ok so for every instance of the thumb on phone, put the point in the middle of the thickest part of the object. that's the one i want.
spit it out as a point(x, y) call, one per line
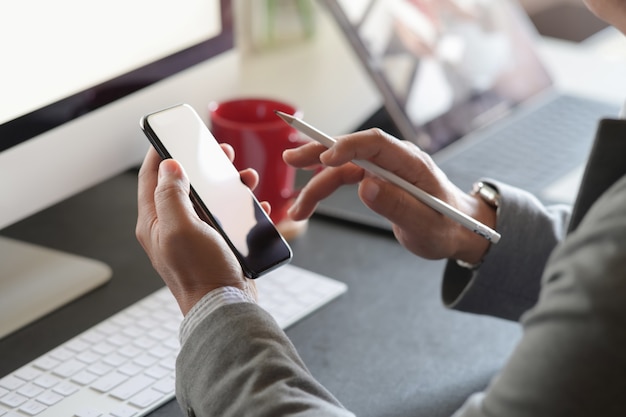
point(171, 196)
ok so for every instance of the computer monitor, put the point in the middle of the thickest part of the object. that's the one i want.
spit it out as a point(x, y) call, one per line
point(76, 78)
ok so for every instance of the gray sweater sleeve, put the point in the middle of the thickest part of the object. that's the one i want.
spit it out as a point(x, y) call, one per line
point(507, 283)
point(238, 362)
point(571, 360)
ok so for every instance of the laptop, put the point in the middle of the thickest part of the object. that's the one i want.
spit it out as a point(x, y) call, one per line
point(462, 79)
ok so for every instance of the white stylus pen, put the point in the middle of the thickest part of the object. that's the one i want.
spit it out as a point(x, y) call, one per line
point(432, 202)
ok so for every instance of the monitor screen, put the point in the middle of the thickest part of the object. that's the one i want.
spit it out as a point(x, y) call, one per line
point(73, 57)
point(76, 78)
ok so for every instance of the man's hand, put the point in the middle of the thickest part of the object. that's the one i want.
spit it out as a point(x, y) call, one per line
point(190, 256)
point(417, 227)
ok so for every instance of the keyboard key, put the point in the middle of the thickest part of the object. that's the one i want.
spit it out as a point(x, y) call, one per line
point(130, 351)
point(11, 382)
point(32, 408)
point(145, 360)
point(132, 387)
point(104, 348)
point(88, 357)
point(49, 398)
point(66, 388)
point(93, 336)
point(108, 382)
point(122, 320)
point(30, 390)
point(100, 369)
point(62, 354)
point(172, 326)
point(118, 340)
point(114, 360)
point(84, 378)
point(160, 334)
point(28, 373)
point(77, 345)
point(133, 331)
point(13, 399)
point(124, 411)
point(69, 368)
point(168, 363)
point(108, 328)
point(145, 398)
point(158, 371)
point(172, 343)
point(47, 381)
point(160, 352)
point(46, 363)
point(130, 369)
point(137, 311)
point(165, 385)
point(145, 343)
point(148, 323)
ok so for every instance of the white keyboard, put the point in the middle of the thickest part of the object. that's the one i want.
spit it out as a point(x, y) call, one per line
point(124, 366)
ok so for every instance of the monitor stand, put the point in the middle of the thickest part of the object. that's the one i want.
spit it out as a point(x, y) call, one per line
point(36, 280)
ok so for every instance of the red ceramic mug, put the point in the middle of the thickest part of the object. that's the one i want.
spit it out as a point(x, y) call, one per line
point(259, 138)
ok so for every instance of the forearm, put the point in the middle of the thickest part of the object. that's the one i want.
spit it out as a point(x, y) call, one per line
point(237, 362)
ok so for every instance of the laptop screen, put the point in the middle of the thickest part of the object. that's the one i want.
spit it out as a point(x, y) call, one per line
point(444, 67)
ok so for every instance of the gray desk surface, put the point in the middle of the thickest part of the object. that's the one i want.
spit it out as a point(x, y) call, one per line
point(385, 348)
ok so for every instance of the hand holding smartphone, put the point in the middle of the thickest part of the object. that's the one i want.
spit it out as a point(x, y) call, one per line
point(221, 199)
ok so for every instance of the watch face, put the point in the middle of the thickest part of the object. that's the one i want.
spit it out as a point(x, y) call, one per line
point(488, 193)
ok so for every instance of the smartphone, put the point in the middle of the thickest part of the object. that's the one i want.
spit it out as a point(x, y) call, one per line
point(219, 195)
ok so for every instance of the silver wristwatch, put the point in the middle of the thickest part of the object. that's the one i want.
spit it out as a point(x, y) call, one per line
point(487, 192)
point(491, 196)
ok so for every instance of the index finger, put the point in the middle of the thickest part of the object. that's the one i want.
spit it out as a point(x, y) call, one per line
point(402, 158)
point(304, 156)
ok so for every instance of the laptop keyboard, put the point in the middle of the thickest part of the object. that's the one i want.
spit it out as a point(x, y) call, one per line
point(531, 150)
point(125, 365)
